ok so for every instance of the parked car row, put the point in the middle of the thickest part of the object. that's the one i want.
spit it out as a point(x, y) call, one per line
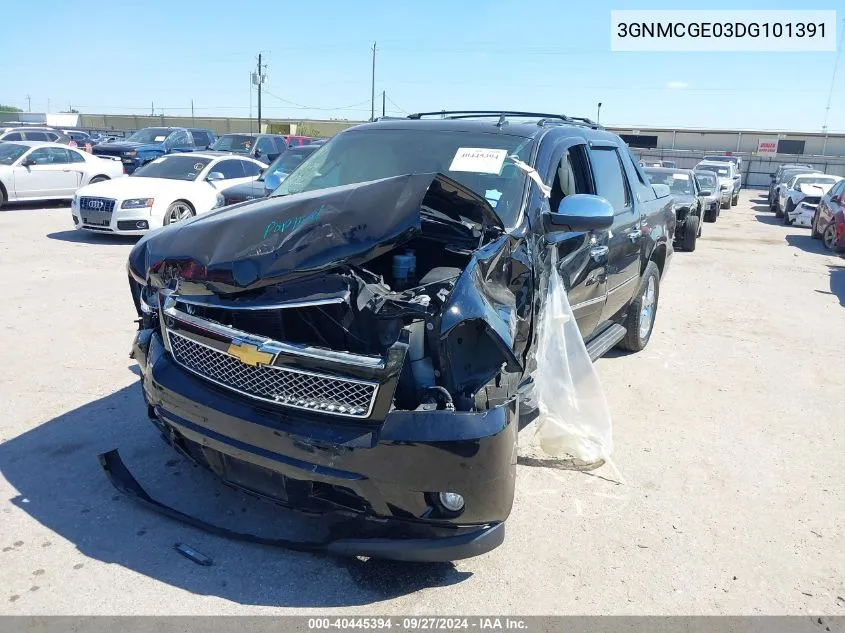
point(696, 200)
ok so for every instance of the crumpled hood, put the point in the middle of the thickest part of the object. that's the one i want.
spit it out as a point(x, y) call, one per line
point(277, 239)
point(815, 190)
point(683, 200)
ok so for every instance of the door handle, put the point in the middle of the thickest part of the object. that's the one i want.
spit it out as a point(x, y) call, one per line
point(597, 251)
point(635, 234)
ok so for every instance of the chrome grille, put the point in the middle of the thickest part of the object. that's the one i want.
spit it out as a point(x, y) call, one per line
point(280, 385)
point(99, 205)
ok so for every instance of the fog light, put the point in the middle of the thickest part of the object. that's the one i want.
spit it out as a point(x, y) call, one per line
point(452, 501)
point(142, 224)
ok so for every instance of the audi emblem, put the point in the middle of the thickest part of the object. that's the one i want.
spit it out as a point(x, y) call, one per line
point(94, 204)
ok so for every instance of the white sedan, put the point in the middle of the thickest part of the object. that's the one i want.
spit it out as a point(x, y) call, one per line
point(33, 170)
point(164, 191)
point(800, 197)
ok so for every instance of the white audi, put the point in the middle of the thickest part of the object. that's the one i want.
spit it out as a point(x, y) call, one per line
point(164, 191)
point(35, 170)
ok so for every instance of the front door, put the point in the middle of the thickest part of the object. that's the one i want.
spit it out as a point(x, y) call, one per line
point(623, 267)
point(47, 174)
point(581, 256)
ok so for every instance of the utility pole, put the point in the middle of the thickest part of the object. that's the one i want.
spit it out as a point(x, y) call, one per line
point(192, 112)
point(258, 79)
point(598, 113)
point(28, 103)
point(833, 77)
point(373, 88)
point(152, 108)
point(48, 104)
point(383, 98)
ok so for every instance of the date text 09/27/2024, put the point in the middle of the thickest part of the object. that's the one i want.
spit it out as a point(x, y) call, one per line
point(431, 623)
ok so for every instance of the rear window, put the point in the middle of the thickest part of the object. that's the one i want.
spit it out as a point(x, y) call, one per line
point(173, 167)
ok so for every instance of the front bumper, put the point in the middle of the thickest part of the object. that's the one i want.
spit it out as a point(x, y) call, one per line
point(803, 214)
point(121, 221)
point(386, 474)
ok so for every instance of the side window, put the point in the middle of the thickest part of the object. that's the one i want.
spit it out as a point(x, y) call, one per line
point(200, 138)
point(180, 140)
point(281, 146)
point(13, 136)
point(571, 175)
point(838, 190)
point(230, 168)
point(75, 157)
point(250, 169)
point(37, 136)
point(264, 146)
point(49, 156)
point(638, 177)
point(610, 180)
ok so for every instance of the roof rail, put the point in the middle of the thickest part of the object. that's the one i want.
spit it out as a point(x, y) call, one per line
point(503, 114)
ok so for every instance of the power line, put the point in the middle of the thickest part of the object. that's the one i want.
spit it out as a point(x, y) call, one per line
point(395, 105)
point(833, 77)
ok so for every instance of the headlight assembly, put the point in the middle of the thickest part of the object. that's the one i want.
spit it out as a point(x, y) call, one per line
point(221, 201)
point(137, 203)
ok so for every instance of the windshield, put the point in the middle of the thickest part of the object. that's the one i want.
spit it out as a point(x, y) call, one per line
point(721, 171)
point(789, 174)
point(9, 152)
point(476, 160)
point(721, 159)
point(706, 180)
point(173, 167)
point(678, 183)
point(150, 135)
point(240, 143)
point(290, 160)
point(815, 181)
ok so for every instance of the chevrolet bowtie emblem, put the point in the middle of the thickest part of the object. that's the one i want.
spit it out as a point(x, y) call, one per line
point(249, 354)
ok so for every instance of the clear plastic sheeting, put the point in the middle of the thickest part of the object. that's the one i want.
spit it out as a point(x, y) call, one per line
point(574, 418)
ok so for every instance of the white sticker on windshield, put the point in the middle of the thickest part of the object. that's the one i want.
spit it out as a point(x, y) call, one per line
point(479, 160)
point(198, 166)
point(159, 139)
point(680, 176)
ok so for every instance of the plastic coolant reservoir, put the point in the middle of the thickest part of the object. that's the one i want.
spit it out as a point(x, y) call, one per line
point(404, 266)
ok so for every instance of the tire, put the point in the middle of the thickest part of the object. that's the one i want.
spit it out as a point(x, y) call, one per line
point(778, 211)
point(790, 207)
point(829, 237)
point(691, 232)
point(814, 231)
point(735, 199)
point(2, 197)
point(642, 310)
point(97, 179)
point(711, 214)
point(178, 211)
point(725, 205)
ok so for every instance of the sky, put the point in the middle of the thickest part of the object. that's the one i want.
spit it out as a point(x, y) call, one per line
point(130, 56)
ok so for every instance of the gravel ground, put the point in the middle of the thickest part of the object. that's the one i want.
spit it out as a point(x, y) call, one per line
point(726, 495)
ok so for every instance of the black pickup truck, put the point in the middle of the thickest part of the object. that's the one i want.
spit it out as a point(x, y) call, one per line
point(357, 343)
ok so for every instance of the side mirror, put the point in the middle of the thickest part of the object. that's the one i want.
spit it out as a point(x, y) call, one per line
point(213, 177)
point(579, 212)
point(27, 162)
point(705, 192)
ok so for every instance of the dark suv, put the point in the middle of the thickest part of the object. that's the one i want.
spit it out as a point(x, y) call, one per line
point(359, 343)
point(263, 147)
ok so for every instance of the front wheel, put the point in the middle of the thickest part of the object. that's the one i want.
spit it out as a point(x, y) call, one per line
point(735, 199)
point(790, 207)
point(178, 211)
point(691, 232)
point(642, 310)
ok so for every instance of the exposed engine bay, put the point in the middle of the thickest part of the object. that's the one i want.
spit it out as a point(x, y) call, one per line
point(440, 284)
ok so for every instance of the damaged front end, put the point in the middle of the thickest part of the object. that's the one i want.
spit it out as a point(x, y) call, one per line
point(354, 350)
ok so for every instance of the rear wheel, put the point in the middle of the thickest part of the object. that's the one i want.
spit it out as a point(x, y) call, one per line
point(178, 211)
point(642, 310)
point(735, 199)
point(829, 237)
point(2, 197)
point(691, 232)
point(790, 207)
point(778, 211)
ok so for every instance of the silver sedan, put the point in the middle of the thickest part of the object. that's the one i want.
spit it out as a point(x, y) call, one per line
point(31, 170)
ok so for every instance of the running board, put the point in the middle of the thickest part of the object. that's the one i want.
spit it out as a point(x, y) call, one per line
point(602, 343)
